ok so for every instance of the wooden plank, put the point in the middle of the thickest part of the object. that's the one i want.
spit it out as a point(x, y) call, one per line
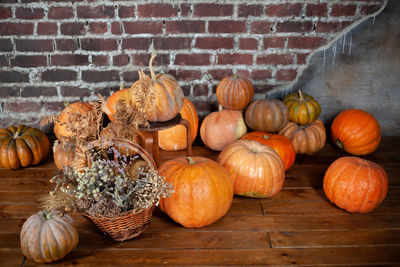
point(370, 237)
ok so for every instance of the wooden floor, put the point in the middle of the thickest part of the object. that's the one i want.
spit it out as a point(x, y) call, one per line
point(297, 226)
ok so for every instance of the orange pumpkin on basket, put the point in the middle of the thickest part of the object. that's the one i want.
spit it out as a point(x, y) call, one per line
point(203, 191)
point(122, 95)
point(234, 92)
point(255, 169)
point(279, 143)
point(22, 146)
point(63, 154)
point(355, 184)
point(267, 115)
point(175, 138)
point(221, 128)
point(356, 131)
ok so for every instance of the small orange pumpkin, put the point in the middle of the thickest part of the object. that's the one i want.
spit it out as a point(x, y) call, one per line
point(281, 144)
point(356, 131)
point(303, 108)
point(355, 184)
point(63, 154)
point(203, 191)
point(111, 103)
point(256, 170)
point(234, 92)
point(267, 115)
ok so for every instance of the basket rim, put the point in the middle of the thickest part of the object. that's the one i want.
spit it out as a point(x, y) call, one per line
point(124, 214)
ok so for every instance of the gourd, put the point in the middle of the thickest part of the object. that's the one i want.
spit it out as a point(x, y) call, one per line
point(234, 92)
point(303, 108)
point(267, 115)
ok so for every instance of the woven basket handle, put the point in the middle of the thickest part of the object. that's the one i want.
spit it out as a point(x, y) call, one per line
point(139, 150)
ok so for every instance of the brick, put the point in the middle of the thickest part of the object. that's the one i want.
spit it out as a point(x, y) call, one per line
point(126, 11)
point(74, 91)
point(275, 59)
point(273, 42)
point(58, 75)
point(157, 10)
point(5, 12)
point(186, 90)
point(60, 12)
point(98, 27)
point(54, 106)
point(32, 91)
point(185, 9)
point(13, 76)
point(69, 60)
point(192, 59)
point(214, 43)
point(5, 45)
point(316, 10)
point(95, 12)
point(47, 28)
point(6, 92)
point(130, 77)
point(283, 10)
point(259, 75)
point(140, 43)
point(143, 59)
point(260, 27)
point(204, 106)
point(226, 26)
point(366, 10)
point(29, 13)
point(235, 59)
point(185, 26)
point(186, 75)
point(306, 42)
point(22, 106)
point(66, 44)
point(212, 10)
point(338, 10)
point(10, 28)
point(4, 61)
point(248, 44)
point(99, 44)
point(173, 43)
point(331, 26)
point(104, 91)
point(301, 58)
point(294, 26)
point(250, 10)
point(38, 45)
point(100, 60)
point(29, 61)
point(286, 74)
point(200, 90)
point(135, 27)
point(92, 76)
point(120, 60)
point(116, 28)
point(263, 88)
point(219, 74)
point(73, 28)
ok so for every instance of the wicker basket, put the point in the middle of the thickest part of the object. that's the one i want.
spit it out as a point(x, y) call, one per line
point(132, 223)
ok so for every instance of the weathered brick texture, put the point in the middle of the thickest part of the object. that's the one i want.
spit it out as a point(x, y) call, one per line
point(53, 52)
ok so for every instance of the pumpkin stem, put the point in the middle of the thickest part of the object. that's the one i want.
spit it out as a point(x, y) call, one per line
point(153, 76)
point(265, 136)
point(301, 95)
point(220, 108)
point(339, 144)
point(191, 161)
point(235, 76)
point(46, 215)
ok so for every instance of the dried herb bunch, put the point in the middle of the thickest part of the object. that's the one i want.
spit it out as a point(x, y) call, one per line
point(114, 183)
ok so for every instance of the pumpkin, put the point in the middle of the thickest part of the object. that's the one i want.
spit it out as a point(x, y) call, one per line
point(47, 237)
point(279, 143)
point(355, 184)
point(356, 131)
point(123, 95)
point(221, 128)
point(203, 191)
point(234, 92)
point(175, 138)
point(267, 115)
point(22, 146)
point(60, 130)
point(63, 154)
point(256, 170)
point(306, 139)
point(303, 108)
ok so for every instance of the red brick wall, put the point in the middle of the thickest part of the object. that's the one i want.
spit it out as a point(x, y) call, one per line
point(57, 51)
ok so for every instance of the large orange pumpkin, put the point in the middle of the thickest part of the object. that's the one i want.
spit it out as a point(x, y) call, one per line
point(255, 169)
point(60, 128)
point(221, 128)
point(355, 184)
point(234, 92)
point(267, 115)
point(22, 146)
point(356, 131)
point(175, 138)
point(203, 191)
point(279, 143)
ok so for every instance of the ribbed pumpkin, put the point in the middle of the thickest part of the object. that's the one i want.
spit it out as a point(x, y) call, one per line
point(221, 128)
point(356, 131)
point(175, 138)
point(234, 92)
point(255, 169)
point(279, 143)
point(306, 139)
point(303, 108)
point(268, 115)
point(22, 146)
point(47, 237)
point(355, 184)
point(60, 128)
point(63, 154)
point(122, 95)
point(203, 191)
